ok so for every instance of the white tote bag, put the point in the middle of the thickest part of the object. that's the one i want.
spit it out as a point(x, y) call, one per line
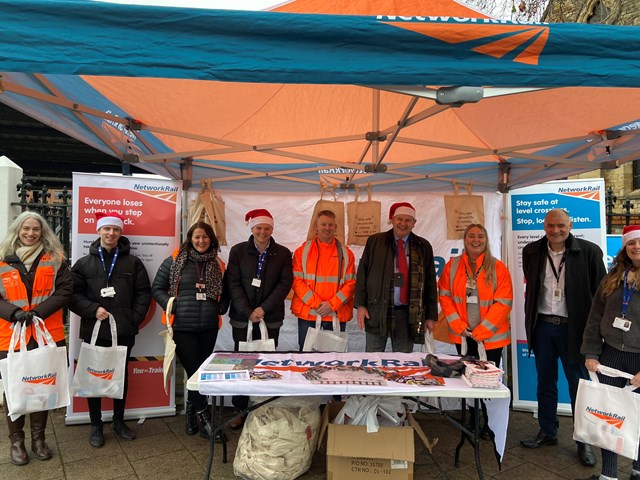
point(100, 370)
point(608, 416)
point(265, 344)
point(318, 340)
point(169, 346)
point(35, 380)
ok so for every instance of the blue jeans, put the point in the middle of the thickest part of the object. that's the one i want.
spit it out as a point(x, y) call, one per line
point(304, 325)
point(552, 343)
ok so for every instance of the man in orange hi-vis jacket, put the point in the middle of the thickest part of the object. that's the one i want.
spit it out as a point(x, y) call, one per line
point(324, 279)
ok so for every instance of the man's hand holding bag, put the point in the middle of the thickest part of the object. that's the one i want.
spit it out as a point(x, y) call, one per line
point(100, 370)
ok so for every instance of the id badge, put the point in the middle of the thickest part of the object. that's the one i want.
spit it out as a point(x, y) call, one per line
point(256, 282)
point(472, 299)
point(201, 296)
point(622, 323)
point(108, 292)
point(557, 294)
point(398, 279)
point(200, 286)
point(471, 284)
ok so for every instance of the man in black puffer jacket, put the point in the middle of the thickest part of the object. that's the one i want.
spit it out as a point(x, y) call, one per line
point(258, 279)
point(110, 281)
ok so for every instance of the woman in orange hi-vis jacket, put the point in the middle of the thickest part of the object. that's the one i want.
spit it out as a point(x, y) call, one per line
point(476, 295)
point(34, 281)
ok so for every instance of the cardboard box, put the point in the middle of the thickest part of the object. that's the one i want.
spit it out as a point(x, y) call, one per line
point(354, 454)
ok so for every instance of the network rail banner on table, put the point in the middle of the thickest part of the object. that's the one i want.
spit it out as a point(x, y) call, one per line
point(151, 208)
point(527, 207)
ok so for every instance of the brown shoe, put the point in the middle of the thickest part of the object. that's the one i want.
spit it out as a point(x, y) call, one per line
point(236, 422)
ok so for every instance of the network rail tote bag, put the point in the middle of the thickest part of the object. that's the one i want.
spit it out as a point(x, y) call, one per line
point(265, 344)
point(169, 345)
point(608, 416)
point(34, 380)
point(318, 340)
point(100, 370)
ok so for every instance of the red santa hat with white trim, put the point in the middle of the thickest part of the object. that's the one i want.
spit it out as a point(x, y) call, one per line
point(401, 208)
point(109, 218)
point(630, 232)
point(258, 216)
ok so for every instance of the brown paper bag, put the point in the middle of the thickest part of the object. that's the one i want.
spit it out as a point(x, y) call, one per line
point(462, 211)
point(335, 207)
point(363, 220)
point(209, 207)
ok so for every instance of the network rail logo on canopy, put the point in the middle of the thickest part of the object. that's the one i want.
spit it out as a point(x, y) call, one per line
point(487, 36)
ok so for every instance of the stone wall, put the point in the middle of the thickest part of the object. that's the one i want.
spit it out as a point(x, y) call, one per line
point(610, 12)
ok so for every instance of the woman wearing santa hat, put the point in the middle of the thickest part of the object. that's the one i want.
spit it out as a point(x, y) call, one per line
point(34, 281)
point(612, 334)
point(193, 275)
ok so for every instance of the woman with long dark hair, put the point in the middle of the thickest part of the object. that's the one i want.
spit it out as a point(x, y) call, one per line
point(193, 275)
point(612, 334)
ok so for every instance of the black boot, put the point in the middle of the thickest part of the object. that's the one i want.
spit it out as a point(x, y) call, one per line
point(38, 422)
point(18, 454)
point(191, 422)
point(204, 423)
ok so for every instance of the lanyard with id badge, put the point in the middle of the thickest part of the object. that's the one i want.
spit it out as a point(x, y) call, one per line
point(557, 292)
point(108, 292)
point(623, 323)
point(472, 285)
point(257, 280)
point(201, 294)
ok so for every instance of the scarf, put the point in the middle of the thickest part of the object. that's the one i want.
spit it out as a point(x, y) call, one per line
point(28, 255)
point(212, 272)
point(416, 290)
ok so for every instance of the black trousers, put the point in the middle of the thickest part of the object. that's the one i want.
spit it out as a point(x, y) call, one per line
point(192, 349)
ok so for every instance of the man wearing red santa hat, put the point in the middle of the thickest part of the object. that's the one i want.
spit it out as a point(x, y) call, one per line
point(396, 293)
point(258, 279)
point(110, 281)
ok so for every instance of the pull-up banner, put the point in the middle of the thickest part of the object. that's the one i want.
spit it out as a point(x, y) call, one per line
point(150, 206)
point(527, 207)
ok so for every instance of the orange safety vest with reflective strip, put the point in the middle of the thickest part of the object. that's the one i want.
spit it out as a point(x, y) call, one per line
point(333, 280)
point(13, 290)
point(494, 302)
point(223, 267)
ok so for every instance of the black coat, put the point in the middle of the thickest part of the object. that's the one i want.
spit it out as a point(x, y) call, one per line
point(131, 282)
point(584, 269)
point(375, 276)
point(191, 315)
point(277, 278)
